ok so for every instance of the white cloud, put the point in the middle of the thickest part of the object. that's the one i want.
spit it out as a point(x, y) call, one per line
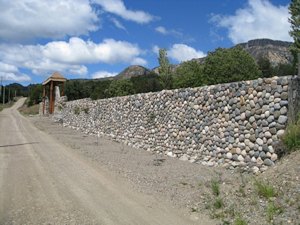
point(79, 51)
point(30, 19)
point(182, 52)
point(162, 30)
point(118, 24)
point(15, 77)
point(11, 73)
point(259, 19)
point(155, 49)
point(68, 57)
point(103, 74)
point(139, 61)
point(118, 7)
point(4, 67)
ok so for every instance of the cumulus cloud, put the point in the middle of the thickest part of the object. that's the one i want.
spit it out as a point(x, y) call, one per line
point(182, 52)
point(79, 51)
point(139, 61)
point(118, 7)
point(103, 74)
point(11, 73)
point(68, 57)
point(30, 19)
point(259, 19)
point(15, 77)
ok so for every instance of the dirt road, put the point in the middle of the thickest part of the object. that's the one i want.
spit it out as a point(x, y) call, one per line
point(44, 182)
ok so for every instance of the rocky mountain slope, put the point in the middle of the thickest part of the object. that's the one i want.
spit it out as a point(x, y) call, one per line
point(133, 71)
point(277, 52)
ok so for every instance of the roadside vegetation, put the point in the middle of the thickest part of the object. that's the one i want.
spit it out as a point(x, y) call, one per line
point(291, 138)
point(6, 105)
point(27, 109)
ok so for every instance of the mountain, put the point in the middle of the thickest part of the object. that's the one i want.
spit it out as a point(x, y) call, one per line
point(133, 71)
point(277, 52)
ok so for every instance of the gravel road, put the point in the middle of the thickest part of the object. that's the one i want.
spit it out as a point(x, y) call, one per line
point(44, 181)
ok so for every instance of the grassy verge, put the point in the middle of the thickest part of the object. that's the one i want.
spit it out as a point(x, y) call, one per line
point(31, 110)
point(7, 105)
point(291, 138)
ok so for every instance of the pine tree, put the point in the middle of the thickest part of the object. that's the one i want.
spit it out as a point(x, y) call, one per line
point(294, 10)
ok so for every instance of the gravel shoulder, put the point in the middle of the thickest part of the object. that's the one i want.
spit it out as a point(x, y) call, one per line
point(188, 186)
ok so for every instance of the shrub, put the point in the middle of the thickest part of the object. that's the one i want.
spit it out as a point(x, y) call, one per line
point(77, 110)
point(291, 138)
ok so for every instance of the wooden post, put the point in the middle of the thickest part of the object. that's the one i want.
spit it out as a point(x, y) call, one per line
point(44, 99)
point(62, 89)
point(51, 98)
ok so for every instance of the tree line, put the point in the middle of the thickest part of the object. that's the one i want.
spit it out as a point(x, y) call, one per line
point(221, 66)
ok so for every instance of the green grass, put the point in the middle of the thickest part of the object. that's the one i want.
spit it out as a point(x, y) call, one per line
point(218, 204)
point(215, 187)
point(291, 138)
point(265, 190)
point(273, 210)
point(239, 221)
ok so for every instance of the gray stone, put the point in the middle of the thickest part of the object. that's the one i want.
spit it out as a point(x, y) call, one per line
point(282, 119)
point(268, 162)
point(283, 110)
point(259, 141)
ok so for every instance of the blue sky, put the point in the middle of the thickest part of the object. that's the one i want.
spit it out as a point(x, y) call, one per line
point(99, 38)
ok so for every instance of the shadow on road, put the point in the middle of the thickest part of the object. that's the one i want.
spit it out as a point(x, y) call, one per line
point(14, 145)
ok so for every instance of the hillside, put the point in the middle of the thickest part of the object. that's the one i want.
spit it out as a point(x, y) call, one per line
point(133, 71)
point(277, 52)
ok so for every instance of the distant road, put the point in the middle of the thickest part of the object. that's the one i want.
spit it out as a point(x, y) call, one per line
point(44, 182)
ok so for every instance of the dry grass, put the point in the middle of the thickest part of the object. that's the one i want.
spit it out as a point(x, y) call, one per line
point(7, 105)
point(32, 110)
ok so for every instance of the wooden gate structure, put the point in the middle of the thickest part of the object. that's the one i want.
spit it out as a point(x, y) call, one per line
point(56, 79)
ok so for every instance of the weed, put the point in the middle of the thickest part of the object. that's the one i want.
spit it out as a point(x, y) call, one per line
point(183, 183)
point(230, 211)
point(194, 209)
point(273, 210)
point(86, 110)
point(215, 187)
point(77, 110)
point(151, 117)
point(291, 137)
point(239, 221)
point(253, 201)
point(217, 215)
point(59, 107)
point(218, 204)
point(265, 190)
point(242, 191)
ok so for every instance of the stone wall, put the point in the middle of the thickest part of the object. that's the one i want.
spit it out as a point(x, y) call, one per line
point(234, 124)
